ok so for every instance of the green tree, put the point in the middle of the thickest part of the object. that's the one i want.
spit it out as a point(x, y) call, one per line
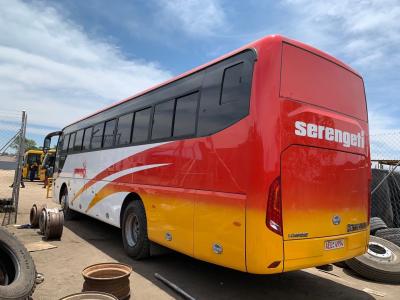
point(29, 144)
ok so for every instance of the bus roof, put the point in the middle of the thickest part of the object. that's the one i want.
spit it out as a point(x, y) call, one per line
point(253, 45)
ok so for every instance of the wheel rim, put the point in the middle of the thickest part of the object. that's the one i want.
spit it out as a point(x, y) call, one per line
point(64, 202)
point(379, 251)
point(132, 229)
point(9, 266)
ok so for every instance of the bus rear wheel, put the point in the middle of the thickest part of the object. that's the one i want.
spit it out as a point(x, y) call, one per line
point(134, 231)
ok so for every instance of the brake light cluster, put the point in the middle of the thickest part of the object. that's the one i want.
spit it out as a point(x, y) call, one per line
point(274, 207)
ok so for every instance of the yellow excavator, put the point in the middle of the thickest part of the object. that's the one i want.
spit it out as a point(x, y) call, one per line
point(31, 157)
point(48, 159)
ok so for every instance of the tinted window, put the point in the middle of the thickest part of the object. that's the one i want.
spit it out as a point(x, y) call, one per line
point(78, 140)
point(185, 115)
point(71, 141)
point(109, 133)
point(231, 84)
point(141, 125)
point(162, 120)
point(225, 94)
point(86, 138)
point(123, 136)
point(65, 142)
point(97, 136)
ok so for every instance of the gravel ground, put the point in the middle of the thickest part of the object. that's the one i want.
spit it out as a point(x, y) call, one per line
point(86, 241)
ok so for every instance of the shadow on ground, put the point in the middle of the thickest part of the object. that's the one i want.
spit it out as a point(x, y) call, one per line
point(207, 281)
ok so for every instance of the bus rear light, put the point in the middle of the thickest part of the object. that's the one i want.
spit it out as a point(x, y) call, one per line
point(274, 207)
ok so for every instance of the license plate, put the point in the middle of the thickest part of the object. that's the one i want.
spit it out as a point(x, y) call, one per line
point(334, 244)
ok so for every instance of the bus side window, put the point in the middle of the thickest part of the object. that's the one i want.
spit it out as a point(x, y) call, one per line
point(60, 143)
point(186, 115)
point(162, 121)
point(97, 136)
point(71, 142)
point(109, 133)
point(124, 130)
point(225, 93)
point(141, 125)
point(65, 143)
point(86, 138)
point(78, 140)
point(232, 84)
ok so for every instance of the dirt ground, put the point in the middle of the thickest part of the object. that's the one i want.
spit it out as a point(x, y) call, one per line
point(86, 241)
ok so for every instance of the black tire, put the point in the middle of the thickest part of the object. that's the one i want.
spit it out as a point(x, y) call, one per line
point(340, 264)
point(69, 214)
point(17, 269)
point(381, 205)
point(381, 263)
point(376, 224)
point(383, 233)
point(134, 231)
point(394, 185)
point(394, 238)
point(390, 234)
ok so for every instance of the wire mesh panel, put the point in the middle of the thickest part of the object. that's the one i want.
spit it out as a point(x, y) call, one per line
point(12, 137)
point(385, 156)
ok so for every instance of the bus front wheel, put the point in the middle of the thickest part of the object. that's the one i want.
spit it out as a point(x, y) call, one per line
point(69, 214)
point(134, 231)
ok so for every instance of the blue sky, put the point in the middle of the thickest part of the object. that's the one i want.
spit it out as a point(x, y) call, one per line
point(61, 60)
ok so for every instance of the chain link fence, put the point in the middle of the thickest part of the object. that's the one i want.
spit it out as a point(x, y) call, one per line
point(12, 139)
point(385, 187)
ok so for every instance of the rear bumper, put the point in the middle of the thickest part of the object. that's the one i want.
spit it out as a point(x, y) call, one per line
point(300, 254)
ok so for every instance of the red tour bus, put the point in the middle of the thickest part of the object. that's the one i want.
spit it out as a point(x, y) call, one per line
point(258, 161)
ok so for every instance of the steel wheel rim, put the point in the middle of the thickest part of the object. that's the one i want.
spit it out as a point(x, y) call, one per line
point(132, 229)
point(379, 251)
point(64, 201)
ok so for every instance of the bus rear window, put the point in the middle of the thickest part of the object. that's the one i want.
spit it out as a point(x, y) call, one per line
point(310, 78)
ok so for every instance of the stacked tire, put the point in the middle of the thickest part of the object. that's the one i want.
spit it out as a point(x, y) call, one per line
point(394, 187)
point(17, 269)
point(380, 263)
point(385, 205)
point(389, 234)
point(381, 197)
point(382, 260)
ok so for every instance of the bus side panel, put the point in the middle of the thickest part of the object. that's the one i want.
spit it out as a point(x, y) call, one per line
point(169, 214)
point(219, 229)
point(264, 248)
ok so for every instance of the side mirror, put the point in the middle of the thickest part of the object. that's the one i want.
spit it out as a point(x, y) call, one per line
point(47, 140)
point(46, 144)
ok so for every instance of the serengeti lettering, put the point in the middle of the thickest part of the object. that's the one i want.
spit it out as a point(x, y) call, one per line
point(342, 137)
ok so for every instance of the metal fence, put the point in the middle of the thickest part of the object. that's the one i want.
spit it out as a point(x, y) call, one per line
point(385, 187)
point(12, 148)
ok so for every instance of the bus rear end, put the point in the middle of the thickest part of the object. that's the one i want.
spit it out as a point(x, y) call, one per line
point(324, 161)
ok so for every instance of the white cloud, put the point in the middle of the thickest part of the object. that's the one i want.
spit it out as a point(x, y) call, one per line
point(366, 35)
point(385, 145)
point(194, 17)
point(367, 32)
point(53, 70)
